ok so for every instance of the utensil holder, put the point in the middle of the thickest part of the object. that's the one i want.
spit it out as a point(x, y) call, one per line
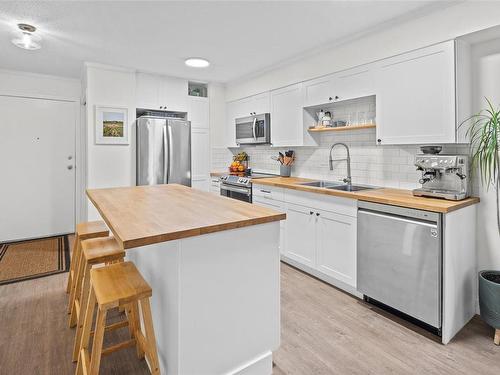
point(285, 170)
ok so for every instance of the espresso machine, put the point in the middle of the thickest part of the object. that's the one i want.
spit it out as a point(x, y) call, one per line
point(443, 176)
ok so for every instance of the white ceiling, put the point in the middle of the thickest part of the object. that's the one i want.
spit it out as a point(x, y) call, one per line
point(239, 37)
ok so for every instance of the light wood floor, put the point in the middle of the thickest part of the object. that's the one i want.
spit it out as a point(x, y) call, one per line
point(324, 331)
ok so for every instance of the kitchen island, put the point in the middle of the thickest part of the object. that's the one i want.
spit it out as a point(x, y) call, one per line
point(214, 266)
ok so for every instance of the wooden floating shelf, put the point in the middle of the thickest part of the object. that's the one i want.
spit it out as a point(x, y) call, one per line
point(342, 128)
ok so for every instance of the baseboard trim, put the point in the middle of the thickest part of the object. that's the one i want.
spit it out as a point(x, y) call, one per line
point(261, 365)
point(319, 275)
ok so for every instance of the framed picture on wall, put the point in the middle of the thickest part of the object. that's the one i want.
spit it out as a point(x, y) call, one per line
point(111, 125)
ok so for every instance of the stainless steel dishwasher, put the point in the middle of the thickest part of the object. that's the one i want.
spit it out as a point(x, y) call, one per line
point(399, 260)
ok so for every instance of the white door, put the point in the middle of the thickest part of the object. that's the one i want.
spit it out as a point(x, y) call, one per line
point(286, 116)
point(300, 236)
point(37, 158)
point(416, 97)
point(336, 246)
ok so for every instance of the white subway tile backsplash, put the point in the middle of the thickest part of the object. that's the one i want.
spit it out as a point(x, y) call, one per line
point(389, 166)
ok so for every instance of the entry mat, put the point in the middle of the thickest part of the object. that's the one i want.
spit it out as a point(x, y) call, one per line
point(31, 259)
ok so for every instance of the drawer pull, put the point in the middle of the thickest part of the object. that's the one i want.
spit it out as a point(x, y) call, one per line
point(265, 191)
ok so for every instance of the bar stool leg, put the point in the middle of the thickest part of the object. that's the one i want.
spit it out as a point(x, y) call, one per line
point(83, 346)
point(84, 301)
point(138, 332)
point(72, 268)
point(95, 357)
point(76, 286)
point(151, 353)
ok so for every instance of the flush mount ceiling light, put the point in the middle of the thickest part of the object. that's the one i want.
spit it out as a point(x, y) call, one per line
point(26, 38)
point(197, 62)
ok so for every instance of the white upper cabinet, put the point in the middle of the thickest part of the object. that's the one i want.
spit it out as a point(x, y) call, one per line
point(231, 115)
point(345, 85)
point(253, 105)
point(173, 94)
point(198, 111)
point(318, 91)
point(286, 116)
point(161, 93)
point(353, 83)
point(417, 97)
point(147, 91)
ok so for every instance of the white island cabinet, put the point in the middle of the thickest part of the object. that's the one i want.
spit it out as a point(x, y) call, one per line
point(214, 266)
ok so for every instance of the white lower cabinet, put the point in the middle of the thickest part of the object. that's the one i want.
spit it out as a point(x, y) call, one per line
point(215, 185)
point(319, 233)
point(278, 206)
point(336, 246)
point(300, 234)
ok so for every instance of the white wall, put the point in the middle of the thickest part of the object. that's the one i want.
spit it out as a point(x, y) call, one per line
point(19, 83)
point(109, 165)
point(442, 25)
point(486, 78)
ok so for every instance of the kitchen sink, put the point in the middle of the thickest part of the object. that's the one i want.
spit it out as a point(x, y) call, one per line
point(350, 187)
point(321, 184)
point(336, 186)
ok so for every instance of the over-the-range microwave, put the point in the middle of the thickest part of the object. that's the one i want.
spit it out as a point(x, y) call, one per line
point(253, 129)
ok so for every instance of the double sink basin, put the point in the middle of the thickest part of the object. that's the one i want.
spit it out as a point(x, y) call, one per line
point(336, 186)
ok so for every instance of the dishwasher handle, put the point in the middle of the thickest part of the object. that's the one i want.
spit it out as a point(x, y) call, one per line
point(426, 223)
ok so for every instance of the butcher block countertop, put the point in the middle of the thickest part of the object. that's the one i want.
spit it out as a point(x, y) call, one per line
point(395, 197)
point(144, 215)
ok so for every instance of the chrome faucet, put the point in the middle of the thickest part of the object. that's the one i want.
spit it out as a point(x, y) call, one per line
point(348, 179)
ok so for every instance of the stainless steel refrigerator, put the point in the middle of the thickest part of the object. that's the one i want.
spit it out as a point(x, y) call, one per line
point(163, 151)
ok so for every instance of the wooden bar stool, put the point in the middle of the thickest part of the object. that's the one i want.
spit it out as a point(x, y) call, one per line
point(113, 286)
point(84, 231)
point(96, 251)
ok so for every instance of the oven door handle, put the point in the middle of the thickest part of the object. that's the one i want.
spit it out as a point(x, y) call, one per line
point(236, 190)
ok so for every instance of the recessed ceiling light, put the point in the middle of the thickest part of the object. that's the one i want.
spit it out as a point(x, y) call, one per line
point(197, 62)
point(26, 39)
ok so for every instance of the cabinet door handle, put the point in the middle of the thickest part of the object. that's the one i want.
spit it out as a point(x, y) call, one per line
point(330, 99)
point(311, 212)
point(336, 97)
point(265, 191)
point(379, 140)
point(317, 213)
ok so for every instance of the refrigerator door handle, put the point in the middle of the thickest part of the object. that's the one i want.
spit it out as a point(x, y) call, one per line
point(170, 152)
point(166, 156)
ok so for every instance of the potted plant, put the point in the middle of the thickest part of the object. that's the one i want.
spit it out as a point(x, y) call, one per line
point(484, 133)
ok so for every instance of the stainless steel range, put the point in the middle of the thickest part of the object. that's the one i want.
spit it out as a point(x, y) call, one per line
point(240, 187)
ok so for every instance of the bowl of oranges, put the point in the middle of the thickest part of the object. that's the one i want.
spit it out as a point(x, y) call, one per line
point(239, 164)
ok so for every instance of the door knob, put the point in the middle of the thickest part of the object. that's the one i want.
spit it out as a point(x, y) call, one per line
point(70, 167)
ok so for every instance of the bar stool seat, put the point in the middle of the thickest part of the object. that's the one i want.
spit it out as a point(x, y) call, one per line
point(102, 250)
point(96, 251)
point(84, 231)
point(118, 286)
point(112, 286)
